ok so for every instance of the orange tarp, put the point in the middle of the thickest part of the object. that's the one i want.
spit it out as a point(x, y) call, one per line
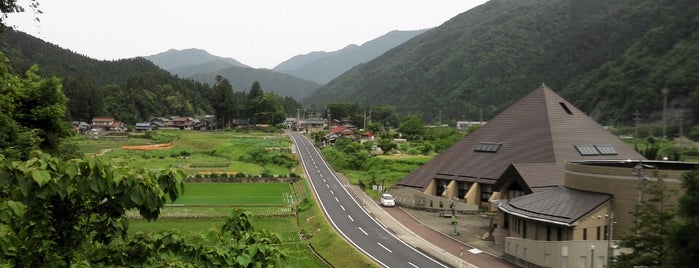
point(148, 147)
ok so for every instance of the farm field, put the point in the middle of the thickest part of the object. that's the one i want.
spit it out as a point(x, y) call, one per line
point(251, 153)
point(282, 208)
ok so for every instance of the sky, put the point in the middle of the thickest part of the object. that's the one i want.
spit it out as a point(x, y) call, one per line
point(258, 33)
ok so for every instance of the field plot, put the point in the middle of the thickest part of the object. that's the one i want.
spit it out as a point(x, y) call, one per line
point(237, 193)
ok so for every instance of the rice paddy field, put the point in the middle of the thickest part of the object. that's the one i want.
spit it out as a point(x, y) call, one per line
point(204, 206)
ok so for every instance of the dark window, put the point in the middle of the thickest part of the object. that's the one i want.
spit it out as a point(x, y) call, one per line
point(606, 232)
point(548, 233)
point(524, 229)
point(598, 233)
point(487, 147)
point(486, 192)
point(559, 233)
point(442, 186)
point(565, 108)
point(584, 233)
point(463, 188)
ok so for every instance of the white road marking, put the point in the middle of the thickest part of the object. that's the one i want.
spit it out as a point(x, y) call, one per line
point(360, 228)
point(337, 200)
point(350, 217)
point(413, 265)
point(343, 207)
point(385, 248)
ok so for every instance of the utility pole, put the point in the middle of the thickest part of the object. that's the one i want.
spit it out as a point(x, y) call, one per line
point(665, 91)
point(637, 121)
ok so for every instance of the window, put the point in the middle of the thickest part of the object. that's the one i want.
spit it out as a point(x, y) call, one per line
point(487, 147)
point(586, 150)
point(596, 149)
point(548, 233)
point(524, 229)
point(463, 188)
point(559, 233)
point(565, 108)
point(486, 192)
point(584, 234)
point(598, 232)
point(606, 149)
point(606, 232)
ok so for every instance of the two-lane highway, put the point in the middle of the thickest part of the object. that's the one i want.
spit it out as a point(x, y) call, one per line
point(350, 219)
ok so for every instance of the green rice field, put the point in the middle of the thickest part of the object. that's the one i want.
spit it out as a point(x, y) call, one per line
point(237, 193)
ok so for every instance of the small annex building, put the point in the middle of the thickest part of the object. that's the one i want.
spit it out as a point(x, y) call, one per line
point(520, 151)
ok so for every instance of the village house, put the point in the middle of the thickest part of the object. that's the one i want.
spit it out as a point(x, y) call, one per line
point(102, 124)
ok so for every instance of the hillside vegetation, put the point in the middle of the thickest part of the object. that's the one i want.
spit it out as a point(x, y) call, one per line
point(609, 58)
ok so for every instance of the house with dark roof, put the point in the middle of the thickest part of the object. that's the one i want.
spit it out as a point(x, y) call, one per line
point(579, 223)
point(520, 151)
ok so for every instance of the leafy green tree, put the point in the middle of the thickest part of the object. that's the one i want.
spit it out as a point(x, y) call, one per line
point(683, 239)
point(647, 237)
point(386, 145)
point(56, 213)
point(52, 209)
point(32, 112)
point(412, 127)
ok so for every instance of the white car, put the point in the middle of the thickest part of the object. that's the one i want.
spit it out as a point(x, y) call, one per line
point(387, 200)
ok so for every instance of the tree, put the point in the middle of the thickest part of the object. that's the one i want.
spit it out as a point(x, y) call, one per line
point(683, 239)
point(52, 209)
point(11, 6)
point(32, 110)
point(56, 213)
point(646, 238)
point(223, 102)
point(412, 127)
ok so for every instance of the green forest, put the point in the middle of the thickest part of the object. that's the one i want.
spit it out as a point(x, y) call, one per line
point(608, 58)
point(134, 90)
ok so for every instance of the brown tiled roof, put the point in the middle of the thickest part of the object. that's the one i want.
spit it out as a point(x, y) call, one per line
point(541, 128)
point(559, 205)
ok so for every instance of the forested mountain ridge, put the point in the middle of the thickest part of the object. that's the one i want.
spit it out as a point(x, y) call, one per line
point(203, 67)
point(174, 58)
point(279, 83)
point(609, 58)
point(321, 67)
point(130, 90)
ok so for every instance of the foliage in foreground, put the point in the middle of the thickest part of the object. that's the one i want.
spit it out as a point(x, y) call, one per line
point(60, 213)
point(665, 235)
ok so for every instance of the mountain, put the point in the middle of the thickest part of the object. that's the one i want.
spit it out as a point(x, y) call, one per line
point(174, 58)
point(609, 58)
point(203, 67)
point(322, 67)
point(129, 90)
point(242, 78)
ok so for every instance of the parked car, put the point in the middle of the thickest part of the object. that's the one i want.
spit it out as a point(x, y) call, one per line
point(387, 200)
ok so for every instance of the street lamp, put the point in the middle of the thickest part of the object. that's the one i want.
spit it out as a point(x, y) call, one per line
point(592, 256)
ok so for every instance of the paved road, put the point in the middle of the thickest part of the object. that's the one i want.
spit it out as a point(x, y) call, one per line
point(350, 219)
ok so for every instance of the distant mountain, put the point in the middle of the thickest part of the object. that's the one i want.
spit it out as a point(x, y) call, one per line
point(608, 58)
point(322, 67)
point(130, 90)
point(242, 78)
point(173, 58)
point(203, 67)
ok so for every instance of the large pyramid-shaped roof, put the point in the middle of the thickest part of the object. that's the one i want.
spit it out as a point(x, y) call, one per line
point(540, 128)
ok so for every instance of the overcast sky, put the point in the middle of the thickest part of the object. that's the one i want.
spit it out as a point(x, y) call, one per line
point(258, 33)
